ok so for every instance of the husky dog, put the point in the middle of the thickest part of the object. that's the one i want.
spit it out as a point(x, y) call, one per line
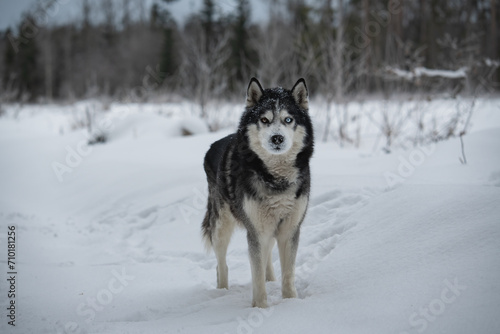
point(259, 178)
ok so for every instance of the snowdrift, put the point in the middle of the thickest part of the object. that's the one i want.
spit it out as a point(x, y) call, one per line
point(113, 245)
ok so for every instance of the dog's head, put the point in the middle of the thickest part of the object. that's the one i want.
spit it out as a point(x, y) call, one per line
point(276, 120)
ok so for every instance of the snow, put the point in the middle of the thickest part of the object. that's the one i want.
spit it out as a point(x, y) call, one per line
point(492, 63)
point(427, 72)
point(392, 243)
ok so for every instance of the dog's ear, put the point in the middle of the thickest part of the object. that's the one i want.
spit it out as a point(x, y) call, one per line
point(254, 92)
point(300, 94)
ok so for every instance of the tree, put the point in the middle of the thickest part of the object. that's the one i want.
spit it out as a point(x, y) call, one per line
point(206, 57)
point(494, 53)
point(331, 67)
point(168, 58)
point(242, 56)
point(207, 17)
point(48, 64)
point(9, 89)
point(26, 63)
point(109, 25)
point(126, 20)
point(8, 59)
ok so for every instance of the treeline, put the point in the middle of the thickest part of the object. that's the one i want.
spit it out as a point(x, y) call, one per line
point(341, 48)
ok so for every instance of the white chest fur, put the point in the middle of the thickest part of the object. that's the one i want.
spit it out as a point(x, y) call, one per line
point(267, 213)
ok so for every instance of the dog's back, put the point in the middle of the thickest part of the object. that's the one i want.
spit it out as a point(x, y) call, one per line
point(214, 156)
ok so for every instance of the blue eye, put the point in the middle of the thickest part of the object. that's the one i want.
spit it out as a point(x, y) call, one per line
point(288, 120)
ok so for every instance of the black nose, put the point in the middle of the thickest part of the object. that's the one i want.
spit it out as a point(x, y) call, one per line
point(277, 139)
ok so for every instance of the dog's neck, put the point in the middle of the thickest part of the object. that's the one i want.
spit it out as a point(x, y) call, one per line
point(282, 167)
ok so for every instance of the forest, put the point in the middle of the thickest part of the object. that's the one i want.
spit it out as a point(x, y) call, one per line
point(344, 49)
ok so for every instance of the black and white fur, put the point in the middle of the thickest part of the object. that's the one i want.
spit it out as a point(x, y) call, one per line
point(259, 178)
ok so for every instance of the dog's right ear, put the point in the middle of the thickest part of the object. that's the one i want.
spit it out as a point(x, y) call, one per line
point(300, 94)
point(254, 92)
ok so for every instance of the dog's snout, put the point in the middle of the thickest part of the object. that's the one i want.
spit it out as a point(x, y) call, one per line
point(277, 139)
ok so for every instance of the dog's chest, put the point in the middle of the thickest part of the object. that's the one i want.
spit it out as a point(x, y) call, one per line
point(267, 212)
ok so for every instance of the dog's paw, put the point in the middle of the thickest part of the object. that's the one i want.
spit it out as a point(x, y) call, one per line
point(259, 304)
point(270, 277)
point(222, 281)
point(290, 292)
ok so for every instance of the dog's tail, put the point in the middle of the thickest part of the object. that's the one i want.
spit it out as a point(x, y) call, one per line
point(210, 165)
point(206, 228)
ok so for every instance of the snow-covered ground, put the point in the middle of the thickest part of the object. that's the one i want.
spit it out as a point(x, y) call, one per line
point(107, 237)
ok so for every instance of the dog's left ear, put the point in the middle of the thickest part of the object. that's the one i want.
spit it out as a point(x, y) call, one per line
point(254, 92)
point(300, 94)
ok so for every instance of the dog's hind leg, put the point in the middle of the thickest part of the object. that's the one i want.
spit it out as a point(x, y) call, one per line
point(269, 266)
point(220, 238)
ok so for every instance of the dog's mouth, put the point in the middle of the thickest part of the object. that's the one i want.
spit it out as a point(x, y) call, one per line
point(276, 148)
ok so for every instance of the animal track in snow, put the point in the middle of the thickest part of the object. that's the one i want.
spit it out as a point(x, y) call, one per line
point(325, 223)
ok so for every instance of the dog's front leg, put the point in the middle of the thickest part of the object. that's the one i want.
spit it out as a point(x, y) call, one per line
point(287, 247)
point(269, 266)
point(258, 251)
